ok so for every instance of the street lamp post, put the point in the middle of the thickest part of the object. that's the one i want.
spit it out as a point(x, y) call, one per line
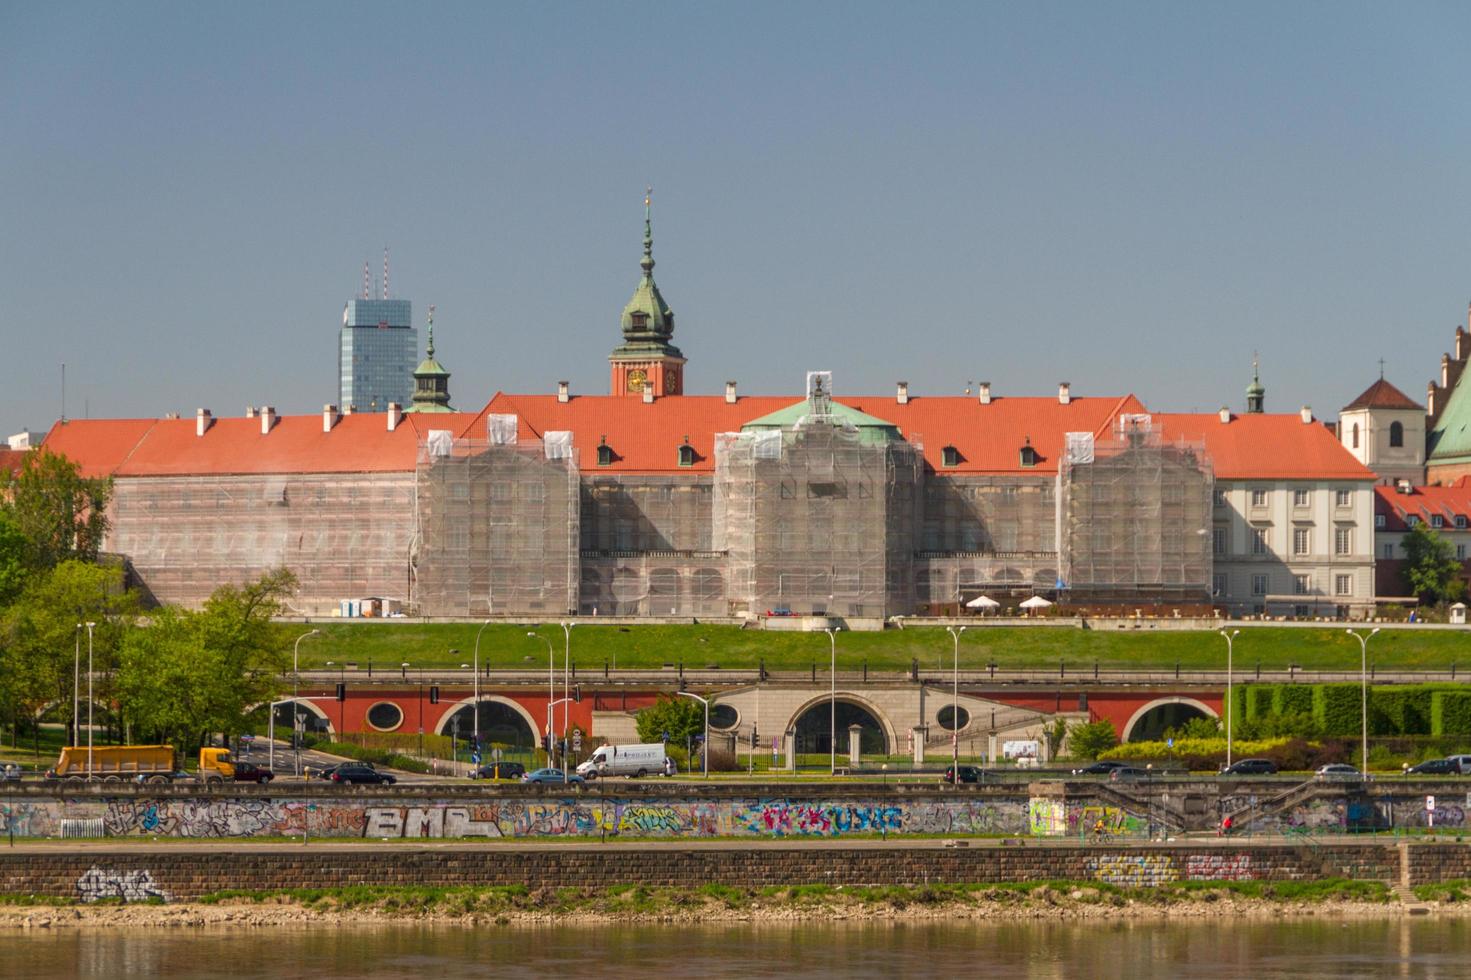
point(551, 688)
point(706, 752)
point(832, 762)
point(566, 675)
point(296, 672)
point(77, 689)
point(89, 699)
point(1230, 706)
point(477, 684)
point(955, 707)
point(1364, 688)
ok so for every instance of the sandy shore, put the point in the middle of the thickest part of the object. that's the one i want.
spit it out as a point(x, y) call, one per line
point(1077, 905)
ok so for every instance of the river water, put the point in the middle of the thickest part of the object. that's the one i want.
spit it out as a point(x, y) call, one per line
point(1297, 949)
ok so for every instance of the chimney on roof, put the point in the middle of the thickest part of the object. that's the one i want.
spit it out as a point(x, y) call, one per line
point(1064, 393)
point(329, 417)
point(902, 395)
point(250, 411)
point(1445, 370)
point(562, 392)
point(730, 392)
point(648, 394)
point(984, 392)
point(202, 421)
point(1307, 415)
point(348, 410)
point(1225, 415)
point(267, 419)
point(1463, 343)
point(1403, 486)
point(395, 415)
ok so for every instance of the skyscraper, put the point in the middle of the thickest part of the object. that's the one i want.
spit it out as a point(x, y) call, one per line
point(377, 350)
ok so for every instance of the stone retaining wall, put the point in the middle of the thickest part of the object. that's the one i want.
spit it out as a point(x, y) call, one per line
point(178, 875)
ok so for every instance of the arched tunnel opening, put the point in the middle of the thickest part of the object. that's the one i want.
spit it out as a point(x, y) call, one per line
point(814, 729)
point(1153, 724)
point(501, 726)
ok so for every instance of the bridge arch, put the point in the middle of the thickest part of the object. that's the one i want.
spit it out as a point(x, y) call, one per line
point(318, 719)
point(812, 723)
point(498, 714)
point(1150, 720)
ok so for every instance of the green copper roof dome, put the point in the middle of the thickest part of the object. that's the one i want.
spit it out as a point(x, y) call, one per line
point(648, 322)
point(870, 428)
point(431, 380)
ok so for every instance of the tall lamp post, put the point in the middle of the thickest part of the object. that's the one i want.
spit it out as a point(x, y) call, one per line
point(706, 752)
point(832, 762)
point(1230, 706)
point(296, 695)
point(1364, 686)
point(89, 699)
point(551, 688)
point(955, 705)
point(566, 675)
point(477, 684)
point(77, 690)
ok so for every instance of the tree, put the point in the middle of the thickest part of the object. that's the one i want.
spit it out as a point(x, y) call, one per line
point(191, 673)
point(675, 717)
point(40, 634)
point(1089, 741)
point(62, 514)
point(13, 552)
point(1431, 571)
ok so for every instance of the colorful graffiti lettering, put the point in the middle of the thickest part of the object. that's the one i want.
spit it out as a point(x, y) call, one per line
point(1134, 870)
point(1046, 818)
point(1219, 867)
point(96, 884)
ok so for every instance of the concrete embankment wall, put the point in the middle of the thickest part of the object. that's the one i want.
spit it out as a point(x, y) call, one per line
point(179, 874)
point(684, 810)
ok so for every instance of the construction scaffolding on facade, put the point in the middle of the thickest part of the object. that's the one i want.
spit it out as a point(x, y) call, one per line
point(344, 535)
point(820, 515)
point(1134, 515)
point(498, 524)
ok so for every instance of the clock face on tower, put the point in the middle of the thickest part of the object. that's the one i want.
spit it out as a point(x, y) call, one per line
point(671, 380)
point(636, 379)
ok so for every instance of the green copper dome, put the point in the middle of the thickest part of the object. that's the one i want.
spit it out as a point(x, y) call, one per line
point(431, 380)
point(648, 322)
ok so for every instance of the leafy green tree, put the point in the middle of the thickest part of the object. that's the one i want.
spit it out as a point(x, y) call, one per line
point(1089, 741)
point(679, 718)
point(191, 673)
point(1431, 571)
point(62, 514)
point(41, 637)
point(13, 551)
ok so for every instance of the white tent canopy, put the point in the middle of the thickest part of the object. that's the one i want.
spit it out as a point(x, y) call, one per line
point(1036, 602)
point(983, 602)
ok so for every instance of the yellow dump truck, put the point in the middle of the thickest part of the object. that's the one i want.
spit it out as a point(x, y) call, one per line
point(116, 763)
point(217, 766)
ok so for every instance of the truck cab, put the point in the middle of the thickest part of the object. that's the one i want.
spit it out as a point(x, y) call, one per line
point(216, 766)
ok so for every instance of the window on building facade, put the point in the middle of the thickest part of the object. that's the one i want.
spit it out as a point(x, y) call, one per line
point(1259, 541)
point(686, 455)
point(1343, 585)
point(1218, 584)
point(1378, 520)
point(1396, 435)
point(1218, 540)
point(1387, 552)
point(1302, 584)
point(1437, 521)
point(1355, 431)
point(1342, 497)
point(1461, 521)
point(1343, 540)
point(1460, 552)
point(1220, 496)
point(1301, 498)
point(1258, 498)
point(1412, 520)
point(1258, 585)
point(950, 456)
point(1302, 540)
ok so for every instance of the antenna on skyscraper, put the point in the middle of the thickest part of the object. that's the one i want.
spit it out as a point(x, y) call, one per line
point(367, 282)
point(385, 271)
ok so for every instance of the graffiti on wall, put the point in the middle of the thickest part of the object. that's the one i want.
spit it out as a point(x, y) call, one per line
point(1219, 867)
point(96, 884)
point(1116, 821)
point(1047, 818)
point(1134, 870)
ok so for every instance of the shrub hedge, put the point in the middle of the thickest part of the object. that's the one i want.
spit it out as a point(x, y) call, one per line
point(1450, 713)
point(1337, 708)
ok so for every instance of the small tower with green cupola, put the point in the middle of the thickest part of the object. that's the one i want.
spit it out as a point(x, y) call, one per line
point(647, 362)
point(431, 380)
point(1256, 395)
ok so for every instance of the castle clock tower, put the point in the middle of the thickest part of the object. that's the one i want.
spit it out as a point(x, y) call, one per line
point(647, 360)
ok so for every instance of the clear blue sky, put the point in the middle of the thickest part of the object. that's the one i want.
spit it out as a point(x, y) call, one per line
point(1131, 197)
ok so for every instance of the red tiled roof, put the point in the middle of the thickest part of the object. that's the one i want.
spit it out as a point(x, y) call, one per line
point(11, 460)
point(1382, 394)
point(1422, 502)
point(1265, 447)
point(645, 438)
point(97, 446)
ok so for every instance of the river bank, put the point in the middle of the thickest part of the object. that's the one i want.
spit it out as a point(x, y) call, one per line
point(711, 904)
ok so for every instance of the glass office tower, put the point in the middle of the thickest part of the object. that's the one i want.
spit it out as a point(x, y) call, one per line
point(378, 350)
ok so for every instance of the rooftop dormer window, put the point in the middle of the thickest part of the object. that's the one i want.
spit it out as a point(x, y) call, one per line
point(605, 453)
point(1028, 454)
point(639, 320)
point(686, 453)
point(950, 456)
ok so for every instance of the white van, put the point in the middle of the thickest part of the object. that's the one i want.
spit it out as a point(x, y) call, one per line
point(625, 760)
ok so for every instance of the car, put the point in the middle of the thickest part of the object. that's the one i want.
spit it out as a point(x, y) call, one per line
point(500, 770)
point(357, 773)
point(1338, 771)
point(1435, 767)
point(1250, 767)
point(1461, 762)
point(551, 776)
point(1101, 768)
point(322, 772)
point(249, 772)
point(965, 774)
point(1128, 772)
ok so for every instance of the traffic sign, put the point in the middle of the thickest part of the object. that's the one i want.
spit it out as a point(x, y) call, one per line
point(577, 740)
point(1430, 803)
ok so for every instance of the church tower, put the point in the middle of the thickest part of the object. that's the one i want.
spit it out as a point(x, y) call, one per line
point(647, 362)
point(431, 380)
point(1256, 395)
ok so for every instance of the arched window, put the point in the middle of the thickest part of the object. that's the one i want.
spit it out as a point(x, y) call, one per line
point(1396, 434)
point(605, 453)
point(686, 453)
point(1356, 435)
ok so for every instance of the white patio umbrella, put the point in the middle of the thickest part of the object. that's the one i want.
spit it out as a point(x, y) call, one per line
point(1036, 602)
point(984, 603)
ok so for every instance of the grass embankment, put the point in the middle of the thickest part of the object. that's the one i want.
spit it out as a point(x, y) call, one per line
point(388, 644)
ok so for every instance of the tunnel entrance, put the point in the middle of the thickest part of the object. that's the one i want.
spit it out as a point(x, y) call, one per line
point(1152, 724)
point(814, 727)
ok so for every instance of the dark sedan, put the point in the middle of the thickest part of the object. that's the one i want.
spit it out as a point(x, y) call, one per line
point(1101, 768)
point(500, 770)
point(965, 774)
point(355, 773)
point(1435, 767)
